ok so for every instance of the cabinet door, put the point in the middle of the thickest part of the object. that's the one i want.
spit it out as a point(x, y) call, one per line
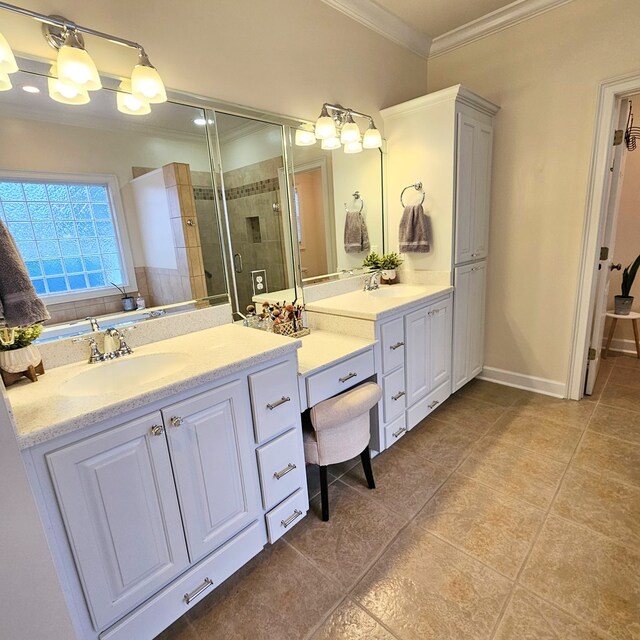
point(211, 443)
point(118, 500)
point(482, 150)
point(439, 343)
point(417, 344)
point(476, 309)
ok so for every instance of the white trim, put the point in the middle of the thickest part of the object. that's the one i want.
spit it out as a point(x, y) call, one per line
point(521, 381)
point(610, 92)
point(387, 24)
point(623, 345)
point(497, 20)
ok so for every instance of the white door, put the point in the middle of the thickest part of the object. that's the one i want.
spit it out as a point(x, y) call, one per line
point(416, 327)
point(616, 164)
point(211, 443)
point(119, 504)
point(440, 343)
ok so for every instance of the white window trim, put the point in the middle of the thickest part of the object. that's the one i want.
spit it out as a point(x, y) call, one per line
point(119, 221)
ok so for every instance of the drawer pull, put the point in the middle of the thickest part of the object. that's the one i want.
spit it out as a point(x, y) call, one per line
point(398, 395)
point(157, 430)
point(190, 597)
point(271, 406)
point(350, 375)
point(397, 345)
point(399, 432)
point(433, 404)
point(288, 469)
point(294, 516)
point(176, 421)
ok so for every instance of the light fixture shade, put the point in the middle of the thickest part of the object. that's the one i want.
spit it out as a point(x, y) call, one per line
point(353, 147)
point(330, 143)
point(128, 103)
point(64, 91)
point(8, 62)
point(305, 138)
point(325, 126)
point(372, 138)
point(146, 83)
point(5, 82)
point(350, 132)
point(75, 65)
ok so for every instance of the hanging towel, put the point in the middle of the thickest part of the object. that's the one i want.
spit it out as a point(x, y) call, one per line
point(356, 236)
point(415, 230)
point(19, 304)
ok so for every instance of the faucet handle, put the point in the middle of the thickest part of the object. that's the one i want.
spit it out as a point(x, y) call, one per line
point(95, 355)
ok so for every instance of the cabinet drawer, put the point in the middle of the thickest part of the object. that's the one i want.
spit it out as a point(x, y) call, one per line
point(339, 377)
point(392, 344)
point(424, 407)
point(394, 431)
point(155, 615)
point(286, 515)
point(274, 400)
point(394, 395)
point(281, 464)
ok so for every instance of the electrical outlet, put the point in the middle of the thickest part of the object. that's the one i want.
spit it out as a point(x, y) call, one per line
point(259, 282)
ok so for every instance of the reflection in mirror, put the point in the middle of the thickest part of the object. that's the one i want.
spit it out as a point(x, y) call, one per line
point(96, 198)
point(338, 204)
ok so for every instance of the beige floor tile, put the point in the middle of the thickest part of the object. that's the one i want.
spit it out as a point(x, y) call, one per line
point(277, 596)
point(350, 622)
point(587, 575)
point(359, 528)
point(600, 503)
point(490, 526)
point(490, 392)
point(618, 423)
point(513, 470)
point(625, 360)
point(604, 370)
point(446, 444)
point(626, 377)
point(621, 397)
point(568, 412)
point(529, 618)
point(474, 414)
point(424, 589)
point(181, 629)
point(538, 434)
point(404, 480)
point(609, 456)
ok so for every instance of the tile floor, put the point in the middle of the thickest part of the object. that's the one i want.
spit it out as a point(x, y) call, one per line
point(504, 515)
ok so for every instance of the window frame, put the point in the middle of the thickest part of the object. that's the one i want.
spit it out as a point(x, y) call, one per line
point(123, 237)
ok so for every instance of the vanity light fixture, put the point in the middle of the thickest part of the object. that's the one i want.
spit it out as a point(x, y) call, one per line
point(305, 138)
point(64, 91)
point(372, 138)
point(8, 62)
point(146, 83)
point(75, 64)
point(353, 147)
point(350, 131)
point(330, 143)
point(128, 103)
point(325, 126)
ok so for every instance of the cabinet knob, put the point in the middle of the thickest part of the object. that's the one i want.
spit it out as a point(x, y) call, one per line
point(176, 421)
point(157, 430)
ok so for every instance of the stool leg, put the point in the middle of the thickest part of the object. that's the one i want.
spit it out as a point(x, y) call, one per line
point(613, 328)
point(324, 493)
point(636, 336)
point(365, 456)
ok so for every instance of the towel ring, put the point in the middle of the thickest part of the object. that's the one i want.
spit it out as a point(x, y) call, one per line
point(356, 197)
point(418, 187)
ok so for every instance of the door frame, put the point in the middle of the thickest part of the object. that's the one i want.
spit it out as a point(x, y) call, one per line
point(610, 94)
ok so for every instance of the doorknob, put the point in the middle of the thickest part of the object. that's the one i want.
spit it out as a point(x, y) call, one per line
point(617, 267)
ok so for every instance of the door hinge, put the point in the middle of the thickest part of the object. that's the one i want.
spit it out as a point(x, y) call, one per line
point(618, 137)
point(604, 253)
point(592, 354)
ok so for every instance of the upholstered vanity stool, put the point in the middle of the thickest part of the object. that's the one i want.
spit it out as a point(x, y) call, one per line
point(340, 430)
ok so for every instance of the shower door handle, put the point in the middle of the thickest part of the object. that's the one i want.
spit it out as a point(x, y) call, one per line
point(237, 262)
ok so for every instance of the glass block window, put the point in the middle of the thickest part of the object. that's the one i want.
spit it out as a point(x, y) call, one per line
point(65, 233)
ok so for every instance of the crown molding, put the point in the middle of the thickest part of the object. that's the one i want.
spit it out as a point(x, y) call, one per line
point(385, 23)
point(502, 18)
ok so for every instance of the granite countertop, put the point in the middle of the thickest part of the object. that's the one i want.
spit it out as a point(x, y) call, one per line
point(367, 306)
point(41, 411)
point(324, 348)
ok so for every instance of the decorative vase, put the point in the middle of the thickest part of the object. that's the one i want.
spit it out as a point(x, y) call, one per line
point(388, 274)
point(623, 305)
point(19, 360)
point(128, 303)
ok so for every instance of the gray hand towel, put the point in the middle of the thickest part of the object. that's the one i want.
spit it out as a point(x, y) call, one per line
point(356, 236)
point(415, 230)
point(19, 303)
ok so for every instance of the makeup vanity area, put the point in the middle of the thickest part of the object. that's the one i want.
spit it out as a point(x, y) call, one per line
point(160, 474)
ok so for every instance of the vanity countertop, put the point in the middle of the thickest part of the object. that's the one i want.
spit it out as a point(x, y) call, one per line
point(379, 304)
point(323, 348)
point(42, 411)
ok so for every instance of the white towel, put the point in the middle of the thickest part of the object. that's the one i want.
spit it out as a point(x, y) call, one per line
point(415, 230)
point(356, 236)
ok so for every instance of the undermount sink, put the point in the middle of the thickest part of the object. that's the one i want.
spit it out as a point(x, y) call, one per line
point(396, 291)
point(124, 374)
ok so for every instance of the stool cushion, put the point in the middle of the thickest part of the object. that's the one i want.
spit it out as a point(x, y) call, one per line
point(343, 408)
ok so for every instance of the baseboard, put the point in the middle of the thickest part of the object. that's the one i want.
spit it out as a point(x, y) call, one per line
point(521, 381)
point(623, 346)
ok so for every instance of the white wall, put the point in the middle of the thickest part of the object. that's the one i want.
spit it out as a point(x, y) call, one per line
point(544, 73)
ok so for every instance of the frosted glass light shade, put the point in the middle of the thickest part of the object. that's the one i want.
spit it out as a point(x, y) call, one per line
point(372, 139)
point(75, 65)
point(305, 138)
point(350, 133)
point(128, 103)
point(325, 128)
point(5, 82)
point(64, 91)
point(330, 143)
point(147, 85)
point(8, 62)
point(353, 147)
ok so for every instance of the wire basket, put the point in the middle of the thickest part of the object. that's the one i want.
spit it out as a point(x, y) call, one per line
point(291, 329)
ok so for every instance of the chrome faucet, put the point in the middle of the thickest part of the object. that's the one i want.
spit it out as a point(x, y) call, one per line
point(372, 281)
point(94, 324)
point(110, 350)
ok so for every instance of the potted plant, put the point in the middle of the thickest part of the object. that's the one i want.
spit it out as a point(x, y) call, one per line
point(624, 302)
point(18, 356)
point(389, 263)
point(128, 302)
point(372, 261)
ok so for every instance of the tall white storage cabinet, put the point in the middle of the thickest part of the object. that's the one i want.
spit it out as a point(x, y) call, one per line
point(444, 140)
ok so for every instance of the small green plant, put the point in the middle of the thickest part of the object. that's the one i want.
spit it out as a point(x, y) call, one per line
point(390, 261)
point(628, 276)
point(23, 337)
point(373, 261)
